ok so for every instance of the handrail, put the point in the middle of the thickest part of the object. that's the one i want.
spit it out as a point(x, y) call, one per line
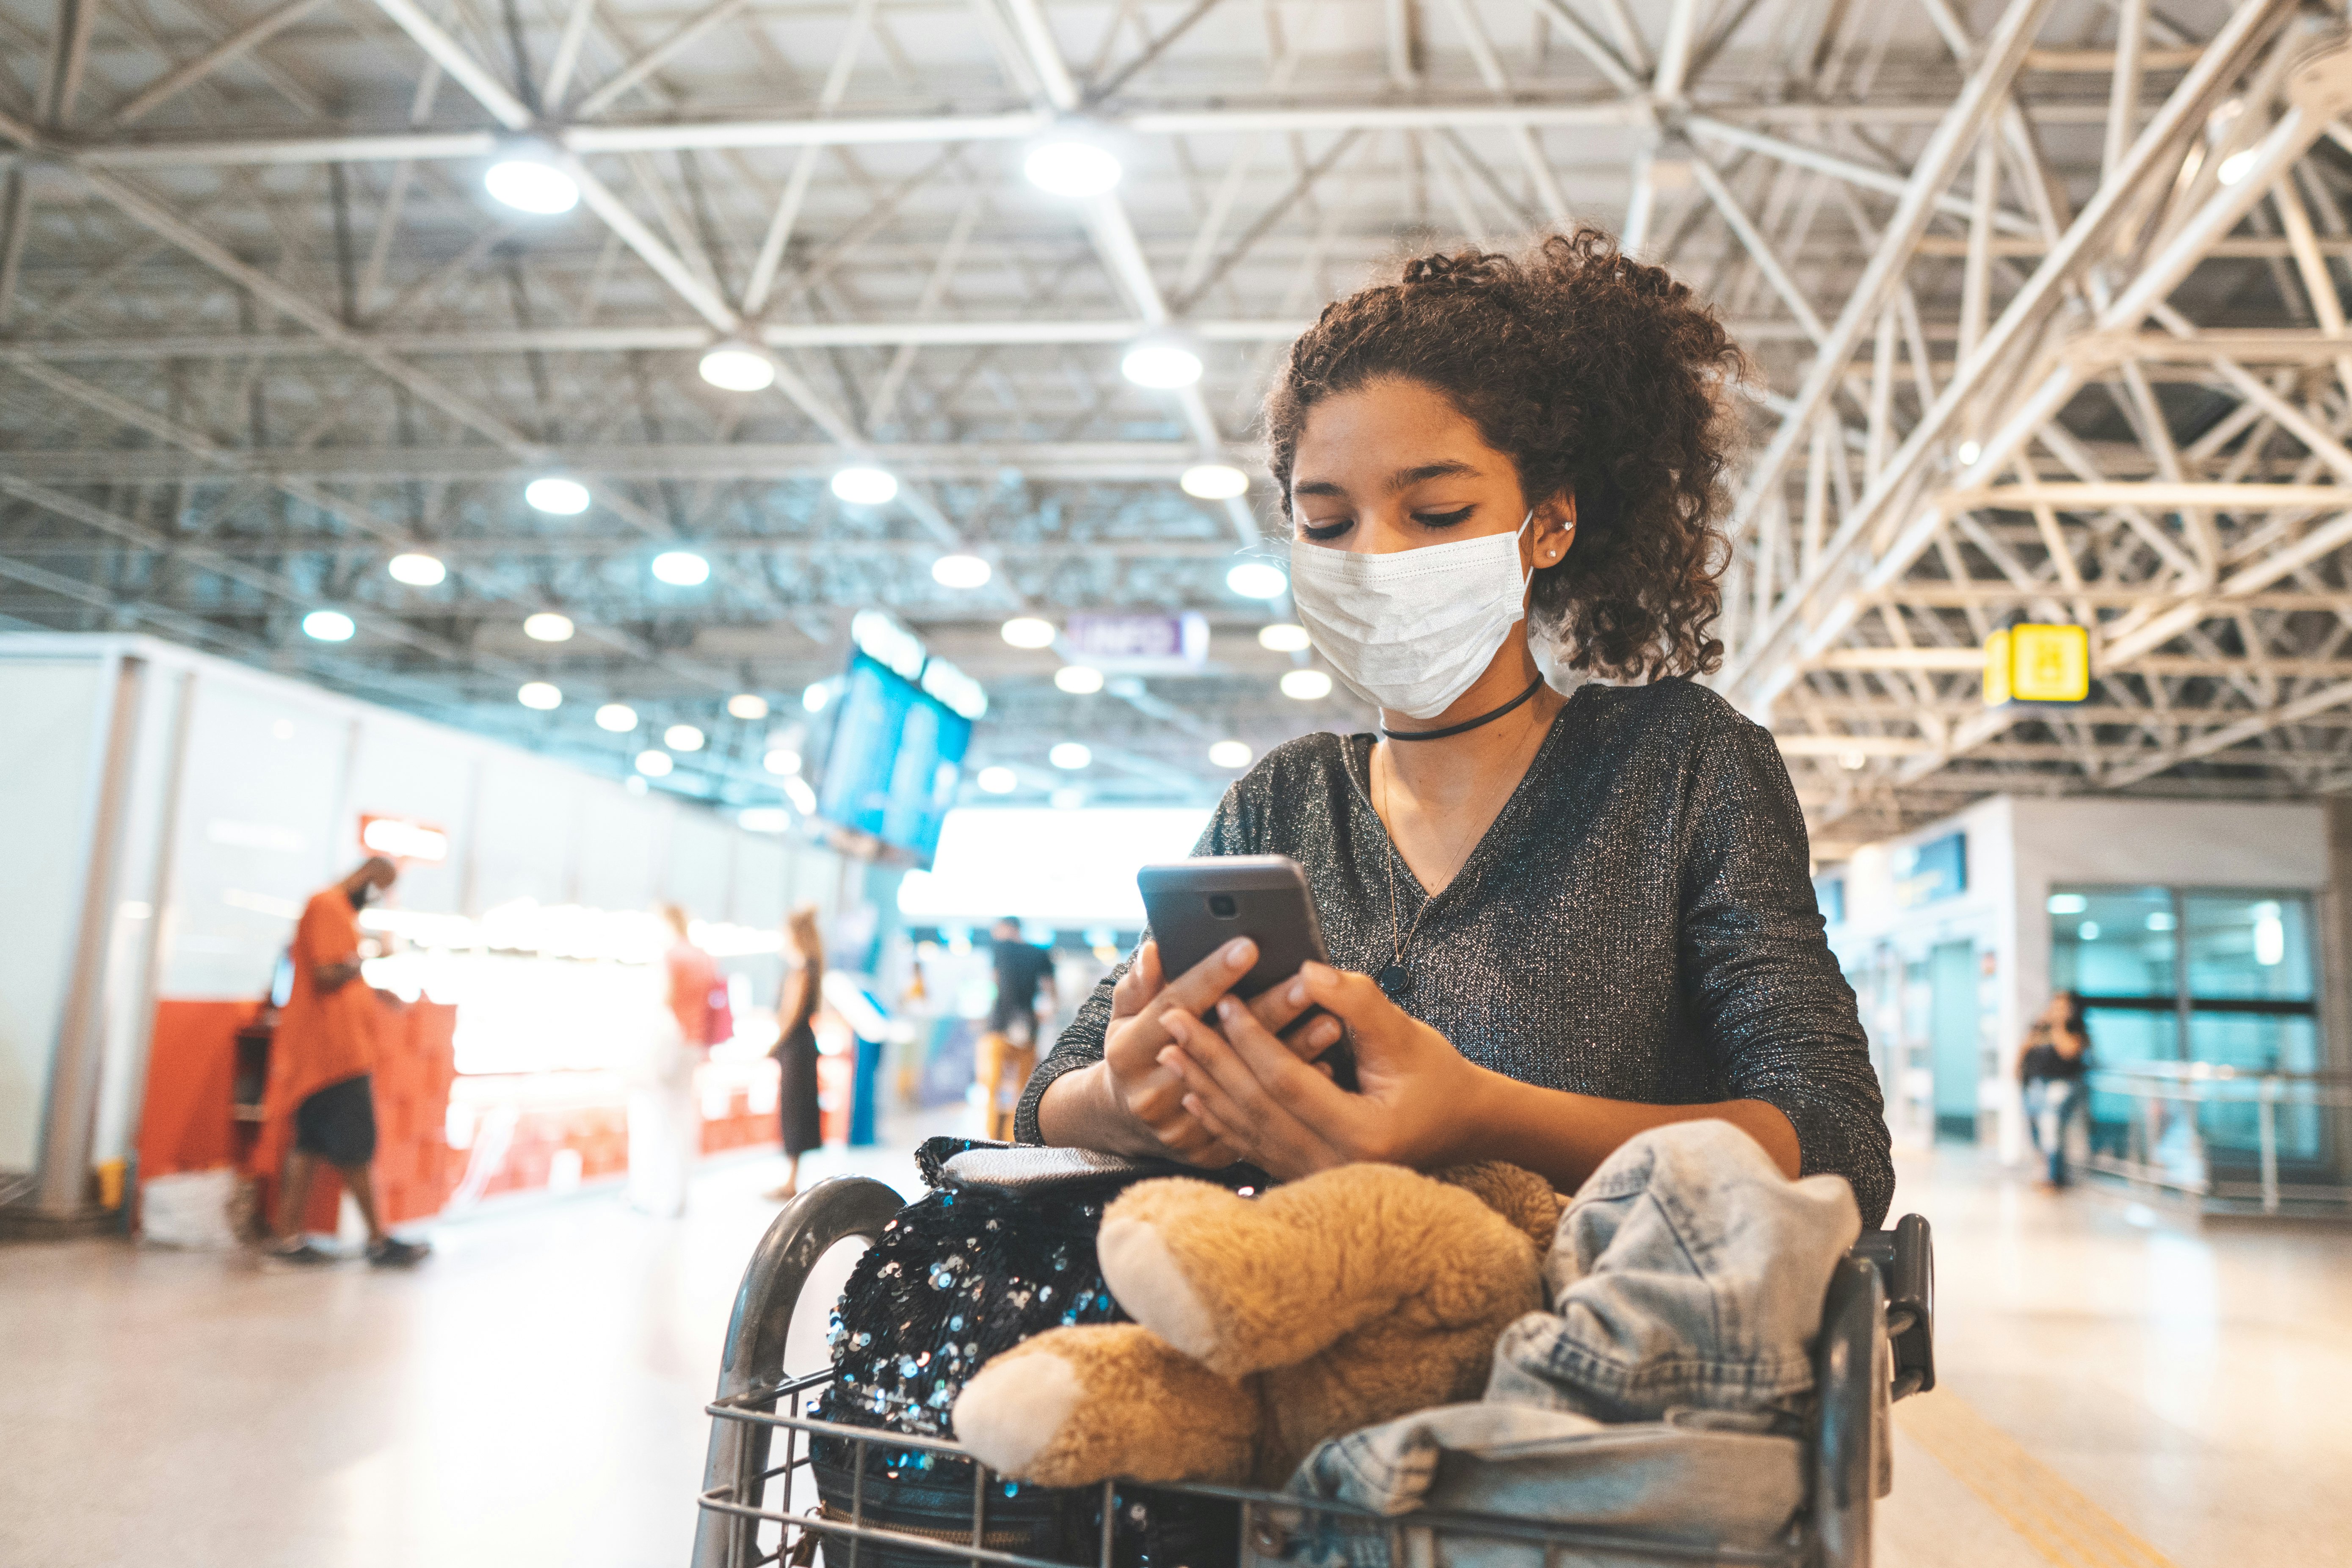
point(2156, 1085)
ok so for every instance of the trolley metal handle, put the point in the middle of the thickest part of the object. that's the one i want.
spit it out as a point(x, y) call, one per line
point(843, 1208)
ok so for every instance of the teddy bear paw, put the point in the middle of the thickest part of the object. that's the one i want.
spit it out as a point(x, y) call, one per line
point(1146, 1278)
point(1077, 1406)
point(1014, 1409)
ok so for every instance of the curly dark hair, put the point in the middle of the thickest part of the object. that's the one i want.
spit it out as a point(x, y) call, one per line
point(1597, 376)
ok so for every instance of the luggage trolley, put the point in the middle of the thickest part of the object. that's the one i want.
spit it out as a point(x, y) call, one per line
point(1877, 1332)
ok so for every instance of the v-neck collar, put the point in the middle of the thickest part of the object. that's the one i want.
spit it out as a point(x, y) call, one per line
point(1358, 761)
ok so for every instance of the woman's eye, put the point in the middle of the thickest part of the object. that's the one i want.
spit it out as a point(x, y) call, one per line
point(1327, 530)
point(1441, 519)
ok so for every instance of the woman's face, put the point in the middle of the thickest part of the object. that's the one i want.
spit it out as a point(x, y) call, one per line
point(1394, 465)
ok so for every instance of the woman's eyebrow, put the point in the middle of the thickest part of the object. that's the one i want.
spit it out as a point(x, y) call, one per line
point(1318, 487)
point(1405, 478)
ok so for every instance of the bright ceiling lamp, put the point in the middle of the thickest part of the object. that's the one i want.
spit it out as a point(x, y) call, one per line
point(547, 626)
point(564, 498)
point(1229, 754)
point(1283, 636)
point(764, 819)
point(815, 695)
point(1028, 631)
point(681, 568)
point(997, 781)
point(1969, 453)
point(528, 179)
point(961, 572)
point(655, 765)
point(866, 487)
point(1161, 365)
point(1067, 167)
point(1215, 481)
point(748, 705)
point(416, 571)
point(2233, 167)
point(1070, 756)
point(538, 694)
point(1078, 679)
point(1307, 685)
point(1257, 580)
point(617, 717)
point(682, 738)
point(736, 367)
point(328, 626)
point(783, 760)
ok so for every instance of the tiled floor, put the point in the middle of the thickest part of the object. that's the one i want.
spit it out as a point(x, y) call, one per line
point(2119, 1392)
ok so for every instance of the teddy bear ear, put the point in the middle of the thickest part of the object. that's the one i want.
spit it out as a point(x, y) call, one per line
point(1521, 1197)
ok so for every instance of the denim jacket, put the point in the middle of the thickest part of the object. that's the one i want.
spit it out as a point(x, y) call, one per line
point(1658, 1394)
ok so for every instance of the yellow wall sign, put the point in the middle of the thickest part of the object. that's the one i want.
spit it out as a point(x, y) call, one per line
point(2032, 663)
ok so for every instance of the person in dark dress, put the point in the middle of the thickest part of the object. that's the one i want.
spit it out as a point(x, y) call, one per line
point(796, 1049)
point(1006, 1052)
point(1561, 910)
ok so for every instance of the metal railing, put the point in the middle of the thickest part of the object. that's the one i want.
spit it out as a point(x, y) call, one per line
point(2166, 1147)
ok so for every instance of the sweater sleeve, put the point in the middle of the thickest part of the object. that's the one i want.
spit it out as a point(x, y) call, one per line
point(1081, 1045)
point(1760, 980)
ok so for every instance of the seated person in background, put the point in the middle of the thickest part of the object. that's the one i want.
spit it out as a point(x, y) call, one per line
point(1589, 913)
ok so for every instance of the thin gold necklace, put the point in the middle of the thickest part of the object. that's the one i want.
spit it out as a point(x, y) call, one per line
point(1395, 980)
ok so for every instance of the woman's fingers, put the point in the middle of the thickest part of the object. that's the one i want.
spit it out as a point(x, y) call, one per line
point(1138, 985)
point(1198, 987)
point(1226, 1097)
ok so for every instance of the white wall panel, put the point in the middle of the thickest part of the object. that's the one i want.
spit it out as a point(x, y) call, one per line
point(526, 837)
point(623, 838)
point(757, 896)
point(425, 773)
point(46, 785)
point(699, 867)
point(259, 829)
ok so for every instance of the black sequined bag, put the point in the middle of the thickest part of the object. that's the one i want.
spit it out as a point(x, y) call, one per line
point(1003, 1248)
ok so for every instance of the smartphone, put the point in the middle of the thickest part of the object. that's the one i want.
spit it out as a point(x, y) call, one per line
point(1197, 906)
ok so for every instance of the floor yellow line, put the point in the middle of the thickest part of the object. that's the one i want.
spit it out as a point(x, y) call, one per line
point(2054, 1518)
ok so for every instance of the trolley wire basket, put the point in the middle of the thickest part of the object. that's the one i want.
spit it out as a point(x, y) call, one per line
point(759, 1503)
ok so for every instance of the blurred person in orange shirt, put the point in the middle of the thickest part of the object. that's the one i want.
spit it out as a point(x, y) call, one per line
point(319, 1061)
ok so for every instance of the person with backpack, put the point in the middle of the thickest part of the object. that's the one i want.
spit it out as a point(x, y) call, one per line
point(665, 1125)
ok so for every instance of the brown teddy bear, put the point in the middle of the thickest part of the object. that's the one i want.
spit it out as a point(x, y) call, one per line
point(1263, 1326)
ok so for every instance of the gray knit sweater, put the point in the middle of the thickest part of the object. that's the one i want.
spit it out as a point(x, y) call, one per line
point(1638, 923)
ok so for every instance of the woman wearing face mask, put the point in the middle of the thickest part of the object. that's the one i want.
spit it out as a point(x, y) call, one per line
point(1555, 919)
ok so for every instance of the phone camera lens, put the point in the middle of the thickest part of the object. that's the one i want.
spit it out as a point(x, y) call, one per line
point(1222, 906)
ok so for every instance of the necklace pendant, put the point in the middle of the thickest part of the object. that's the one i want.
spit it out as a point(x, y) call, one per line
point(1395, 980)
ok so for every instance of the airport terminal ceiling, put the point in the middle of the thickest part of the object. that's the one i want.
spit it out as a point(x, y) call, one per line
point(2044, 300)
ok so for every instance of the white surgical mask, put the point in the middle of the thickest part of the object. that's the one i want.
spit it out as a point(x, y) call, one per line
point(1411, 630)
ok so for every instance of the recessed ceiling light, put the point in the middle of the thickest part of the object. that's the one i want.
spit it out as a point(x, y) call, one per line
point(961, 572)
point(531, 182)
point(547, 626)
point(1229, 754)
point(866, 487)
point(1969, 453)
point(783, 760)
point(655, 765)
point(1307, 685)
point(1215, 481)
point(682, 738)
point(681, 568)
point(1028, 631)
point(816, 695)
point(1257, 580)
point(1078, 679)
point(1071, 168)
point(997, 781)
point(328, 626)
point(564, 498)
point(1070, 755)
point(538, 694)
point(748, 705)
point(734, 367)
point(416, 571)
point(1283, 636)
point(1163, 366)
point(2233, 167)
point(617, 717)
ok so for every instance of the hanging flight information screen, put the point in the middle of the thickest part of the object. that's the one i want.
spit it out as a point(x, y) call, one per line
point(895, 759)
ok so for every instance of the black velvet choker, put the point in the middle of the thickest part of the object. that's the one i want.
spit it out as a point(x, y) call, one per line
point(1467, 724)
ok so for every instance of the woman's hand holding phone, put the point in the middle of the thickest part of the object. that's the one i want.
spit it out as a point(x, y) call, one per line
point(1139, 1102)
